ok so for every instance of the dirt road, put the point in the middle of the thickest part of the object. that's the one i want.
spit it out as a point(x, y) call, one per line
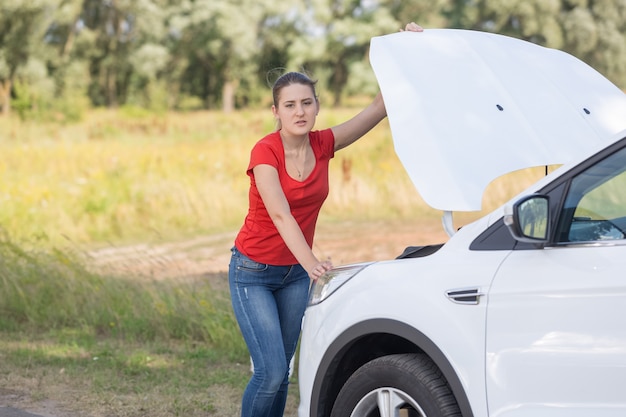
point(343, 243)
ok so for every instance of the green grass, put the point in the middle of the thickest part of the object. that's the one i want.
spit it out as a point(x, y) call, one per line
point(90, 376)
point(54, 290)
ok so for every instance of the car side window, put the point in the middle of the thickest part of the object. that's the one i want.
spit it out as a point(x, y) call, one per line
point(595, 206)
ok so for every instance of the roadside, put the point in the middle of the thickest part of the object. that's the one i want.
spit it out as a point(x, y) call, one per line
point(14, 412)
point(12, 404)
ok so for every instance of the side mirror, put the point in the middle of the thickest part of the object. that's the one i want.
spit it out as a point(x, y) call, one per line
point(528, 220)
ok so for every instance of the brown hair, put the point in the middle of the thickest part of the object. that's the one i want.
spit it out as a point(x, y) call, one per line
point(289, 78)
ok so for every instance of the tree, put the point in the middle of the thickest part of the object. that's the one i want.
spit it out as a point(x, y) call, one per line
point(335, 36)
point(532, 20)
point(221, 45)
point(595, 31)
point(24, 24)
point(118, 28)
point(227, 52)
point(592, 30)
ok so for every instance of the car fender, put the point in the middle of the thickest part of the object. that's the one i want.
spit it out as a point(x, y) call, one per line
point(374, 304)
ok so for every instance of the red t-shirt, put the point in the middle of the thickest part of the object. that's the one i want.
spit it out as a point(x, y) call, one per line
point(258, 238)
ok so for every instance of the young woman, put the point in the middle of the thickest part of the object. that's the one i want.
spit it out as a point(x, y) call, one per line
point(272, 261)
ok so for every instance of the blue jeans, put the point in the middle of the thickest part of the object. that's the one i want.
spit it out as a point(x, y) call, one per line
point(269, 303)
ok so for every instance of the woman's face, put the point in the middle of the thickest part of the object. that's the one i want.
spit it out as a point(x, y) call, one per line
point(297, 109)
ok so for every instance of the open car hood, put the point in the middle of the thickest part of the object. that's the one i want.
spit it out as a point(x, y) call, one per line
point(466, 107)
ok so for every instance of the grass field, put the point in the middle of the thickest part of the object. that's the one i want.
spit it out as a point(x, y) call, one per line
point(101, 343)
point(126, 178)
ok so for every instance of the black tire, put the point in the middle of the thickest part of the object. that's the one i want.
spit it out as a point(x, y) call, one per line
point(406, 384)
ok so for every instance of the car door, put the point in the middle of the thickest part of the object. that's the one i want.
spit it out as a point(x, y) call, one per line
point(556, 320)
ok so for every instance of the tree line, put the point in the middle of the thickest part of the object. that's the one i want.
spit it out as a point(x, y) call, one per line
point(61, 56)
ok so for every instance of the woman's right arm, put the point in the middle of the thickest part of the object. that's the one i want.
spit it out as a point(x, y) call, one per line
point(268, 184)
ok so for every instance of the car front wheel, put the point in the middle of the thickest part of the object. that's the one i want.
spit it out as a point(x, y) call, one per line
point(397, 385)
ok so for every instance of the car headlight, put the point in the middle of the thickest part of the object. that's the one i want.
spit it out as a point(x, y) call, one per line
point(332, 280)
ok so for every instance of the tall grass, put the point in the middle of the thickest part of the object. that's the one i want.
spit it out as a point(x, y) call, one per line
point(52, 290)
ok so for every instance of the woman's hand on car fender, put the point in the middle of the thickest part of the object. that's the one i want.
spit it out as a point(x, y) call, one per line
point(320, 269)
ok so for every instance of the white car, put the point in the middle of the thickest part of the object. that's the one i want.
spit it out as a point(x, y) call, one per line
point(520, 313)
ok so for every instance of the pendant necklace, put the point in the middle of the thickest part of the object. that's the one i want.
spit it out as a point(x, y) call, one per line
point(302, 148)
point(296, 166)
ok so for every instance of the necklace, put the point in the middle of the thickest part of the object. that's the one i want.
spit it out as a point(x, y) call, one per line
point(296, 152)
point(303, 164)
point(297, 169)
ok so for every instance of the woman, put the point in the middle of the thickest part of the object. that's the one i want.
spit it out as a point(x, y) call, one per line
point(272, 261)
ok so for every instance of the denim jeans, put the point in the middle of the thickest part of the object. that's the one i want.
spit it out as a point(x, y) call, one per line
point(269, 303)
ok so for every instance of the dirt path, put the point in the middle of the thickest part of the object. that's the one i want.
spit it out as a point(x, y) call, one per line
point(343, 243)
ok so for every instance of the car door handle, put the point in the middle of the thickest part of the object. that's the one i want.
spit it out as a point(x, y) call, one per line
point(470, 296)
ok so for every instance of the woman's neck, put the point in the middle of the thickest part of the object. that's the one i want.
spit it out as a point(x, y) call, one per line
point(294, 143)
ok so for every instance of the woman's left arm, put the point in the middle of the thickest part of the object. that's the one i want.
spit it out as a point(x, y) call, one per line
point(349, 132)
